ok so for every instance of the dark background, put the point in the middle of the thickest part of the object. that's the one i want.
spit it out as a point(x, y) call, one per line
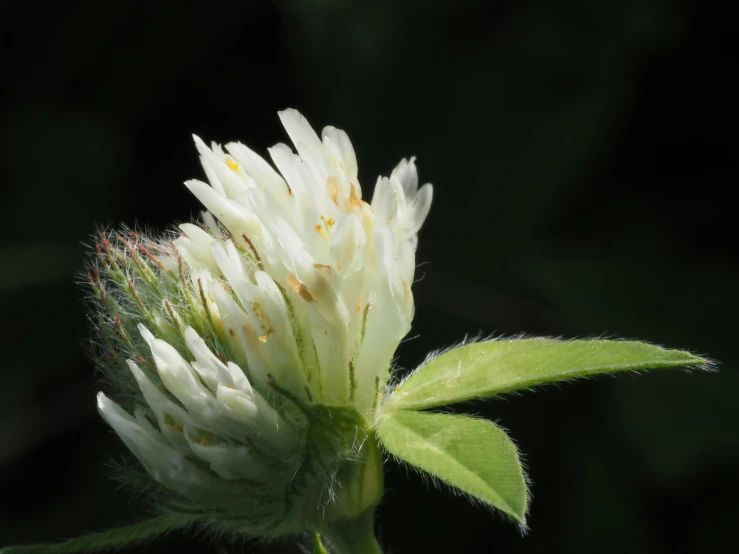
point(582, 156)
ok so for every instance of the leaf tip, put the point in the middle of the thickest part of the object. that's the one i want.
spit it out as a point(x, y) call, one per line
point(694, 361)
point(518, 514)
point(523, 528)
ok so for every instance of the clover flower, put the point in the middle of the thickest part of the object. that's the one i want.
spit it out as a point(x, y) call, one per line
point(249, 356)
point(249, 353)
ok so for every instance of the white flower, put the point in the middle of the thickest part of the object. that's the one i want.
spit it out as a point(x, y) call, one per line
point(293, 295)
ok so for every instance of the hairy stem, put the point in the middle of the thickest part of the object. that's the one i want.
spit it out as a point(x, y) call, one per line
point(109, 540)
point(351, 536)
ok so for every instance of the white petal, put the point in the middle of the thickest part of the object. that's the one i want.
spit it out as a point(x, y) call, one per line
point(164, 463)
point(348, 245)
point(234, 461)
point(229, 262)
point(179, 378)
point(295, 174)
point(199, 237)
point(267, 426)
point(194, 246)
point(243, 404)
point(406, 173)
point(212, 177)
point(211, 224)
point(238, 378)
point(147, 335)
point(306, 142)
point(171, 417)
point(420, 206)
point(234, 218)
point(237, 323)
point(273, 303)
point(224, 179)
point(341, 156)
point(262, 173)
point(385, 199)
point(212, 370)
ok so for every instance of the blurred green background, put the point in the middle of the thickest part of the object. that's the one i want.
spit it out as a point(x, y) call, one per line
point(580, 152)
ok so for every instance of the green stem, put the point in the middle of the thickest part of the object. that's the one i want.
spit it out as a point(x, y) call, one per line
point(351, 536)
point(106, 540)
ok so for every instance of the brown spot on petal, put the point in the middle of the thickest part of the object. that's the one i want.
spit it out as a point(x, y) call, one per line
point(300, 288)
point(321, 266)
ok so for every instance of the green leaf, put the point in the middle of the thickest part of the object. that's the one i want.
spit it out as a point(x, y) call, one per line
point(470, 454)
point(483, 369)
point(107, 540)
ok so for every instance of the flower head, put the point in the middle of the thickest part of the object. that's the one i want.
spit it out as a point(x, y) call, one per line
point(252, 350)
